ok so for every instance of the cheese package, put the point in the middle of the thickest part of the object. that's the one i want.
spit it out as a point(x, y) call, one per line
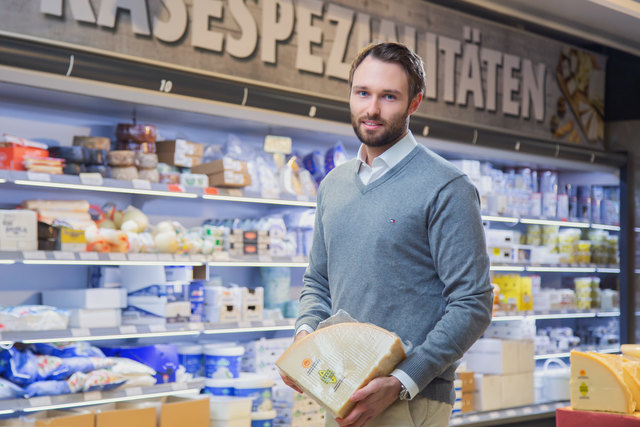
point(331, 363)
point(597, 384)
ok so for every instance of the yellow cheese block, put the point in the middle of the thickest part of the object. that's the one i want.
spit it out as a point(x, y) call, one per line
point(597, 384)
point(629, 372)
point(331, 363)
point(631, 351)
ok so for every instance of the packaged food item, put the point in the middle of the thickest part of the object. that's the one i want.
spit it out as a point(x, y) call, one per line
point(150, 175)
point(94, 142)
point(122, 158)
point(73, 154)
point(146, 160)
point(126, 132)
point(334, 157)
point(126, 173)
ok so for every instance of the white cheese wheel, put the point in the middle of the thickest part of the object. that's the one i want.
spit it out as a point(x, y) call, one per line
point(597, 384)
point(331, 363)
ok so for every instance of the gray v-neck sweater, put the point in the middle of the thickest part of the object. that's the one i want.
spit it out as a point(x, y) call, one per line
point(407, 253)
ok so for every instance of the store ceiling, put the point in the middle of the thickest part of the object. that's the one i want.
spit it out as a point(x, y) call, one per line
point(613, 23)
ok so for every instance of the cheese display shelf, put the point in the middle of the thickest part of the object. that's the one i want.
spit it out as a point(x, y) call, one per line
point(556, 268)
point(115, 259)
point(74, 400)
point(507, 416)
point(606, 350)
point(80, 105)
point(192, 329)
point(95, 183)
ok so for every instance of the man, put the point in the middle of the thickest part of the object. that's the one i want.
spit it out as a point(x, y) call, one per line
point(398, 242)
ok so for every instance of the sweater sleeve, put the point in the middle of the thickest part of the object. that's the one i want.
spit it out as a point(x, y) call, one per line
point(457, 243)
point(315, 298)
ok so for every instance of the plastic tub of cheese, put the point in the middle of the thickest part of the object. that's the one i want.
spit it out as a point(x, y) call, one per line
point(258, 387)
point(222, 361)
point(331, 363)
point(190, 356)
point(263, 418)
point(220, 386)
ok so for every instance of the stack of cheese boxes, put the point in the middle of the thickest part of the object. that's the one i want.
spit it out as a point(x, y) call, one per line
point(251, 242)
point(233, 304)
point(293, 409)
point(503, 373)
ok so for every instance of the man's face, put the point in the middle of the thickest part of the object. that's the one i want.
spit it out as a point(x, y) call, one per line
point(379, 102)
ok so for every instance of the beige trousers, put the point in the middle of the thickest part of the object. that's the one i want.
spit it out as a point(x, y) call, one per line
point(417, 412)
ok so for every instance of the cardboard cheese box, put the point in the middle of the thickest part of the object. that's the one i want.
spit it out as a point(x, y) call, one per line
point(180, 146)
point(119, 417)
point(185, 411)
point(76, 418)
point(229, 178)
point(85, 298)
point(220, 165)
point(496, 356)
point(18, 230)
point(179, 159)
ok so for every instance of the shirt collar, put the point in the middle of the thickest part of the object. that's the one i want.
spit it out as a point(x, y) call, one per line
point(395, 153)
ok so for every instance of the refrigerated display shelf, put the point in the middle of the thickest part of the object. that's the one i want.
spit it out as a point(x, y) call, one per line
point(144, 331)
point(74, 400)
point(222, 259)
point(93, 183)
point(615, 349)
point(556, 268)
point(553, 314)
point(507, 415)
point(547, 221)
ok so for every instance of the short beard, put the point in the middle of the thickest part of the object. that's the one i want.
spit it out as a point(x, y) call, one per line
point(388, 137)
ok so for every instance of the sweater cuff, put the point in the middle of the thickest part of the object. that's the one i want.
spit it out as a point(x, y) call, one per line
point(407, 382)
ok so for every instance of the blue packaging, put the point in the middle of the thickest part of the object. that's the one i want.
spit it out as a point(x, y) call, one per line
point(163, 358)
point(222, 362)
point(220, 386)
point(334, 156)
point(257, 387)
point(190, 356)
point(196, 297)
point(314, 163)
point(263, 418)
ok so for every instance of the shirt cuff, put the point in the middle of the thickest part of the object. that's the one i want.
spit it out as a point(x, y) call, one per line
point(407, 382)
point(304, 327)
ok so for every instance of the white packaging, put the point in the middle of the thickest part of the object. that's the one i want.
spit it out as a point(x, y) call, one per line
point(237, 422)
point(230, 408)
point(501, 237)
point(136, 277)
point(18, 230)
point(496, 356)
point(159, 306)
point(95, 318)
point(252, 303)
point(85, 298)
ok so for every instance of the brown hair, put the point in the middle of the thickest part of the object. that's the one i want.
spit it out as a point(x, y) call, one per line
point(395, 53)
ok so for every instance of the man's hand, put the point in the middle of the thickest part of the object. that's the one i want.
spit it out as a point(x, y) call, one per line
point(373, 399)
point(288, 381)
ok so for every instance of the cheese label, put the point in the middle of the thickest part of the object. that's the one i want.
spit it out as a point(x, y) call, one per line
point(584, 389)
point(327, 376)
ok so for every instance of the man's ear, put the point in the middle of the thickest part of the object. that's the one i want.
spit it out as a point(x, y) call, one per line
point(415, 103)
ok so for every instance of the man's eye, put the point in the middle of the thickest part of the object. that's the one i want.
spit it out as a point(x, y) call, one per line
point(390, 97)
point(362, 93)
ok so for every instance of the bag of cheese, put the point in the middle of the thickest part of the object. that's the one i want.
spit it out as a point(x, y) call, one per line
point(333, 362)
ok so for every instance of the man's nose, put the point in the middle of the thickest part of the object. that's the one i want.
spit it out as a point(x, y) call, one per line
point(373, 107)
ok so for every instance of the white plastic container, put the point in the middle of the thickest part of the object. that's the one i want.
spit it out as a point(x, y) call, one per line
point(236, 422)
point(555, 381)
point(230, 407)
point(222, 361)
point(263, 418)
point(220, 386)
point(190, 356)
point(257, 387)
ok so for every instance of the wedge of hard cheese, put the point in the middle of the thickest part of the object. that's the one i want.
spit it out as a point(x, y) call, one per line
point(331, 363)
point(597, 384)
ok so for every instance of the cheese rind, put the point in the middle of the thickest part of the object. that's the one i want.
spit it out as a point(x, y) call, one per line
point(331, 363)
point(597, 384)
